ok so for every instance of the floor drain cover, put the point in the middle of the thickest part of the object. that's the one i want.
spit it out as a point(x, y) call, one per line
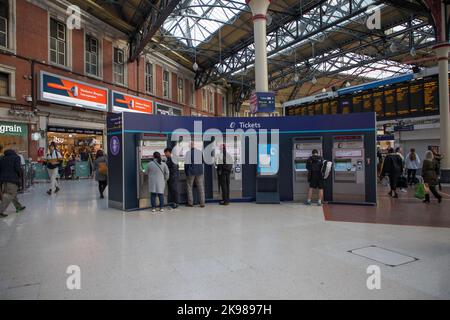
point(385, 256)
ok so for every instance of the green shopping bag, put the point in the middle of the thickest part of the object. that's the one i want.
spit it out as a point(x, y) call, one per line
point(420, 191)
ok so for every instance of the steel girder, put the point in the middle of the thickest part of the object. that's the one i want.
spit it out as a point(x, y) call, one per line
point(155, 17)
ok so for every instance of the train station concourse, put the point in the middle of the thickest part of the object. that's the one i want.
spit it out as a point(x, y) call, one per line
point(202, 151)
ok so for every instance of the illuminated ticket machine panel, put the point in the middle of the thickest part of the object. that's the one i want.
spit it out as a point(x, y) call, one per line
point(147, 145)
point(234, 149)
point(301, 150)
point(348, 168)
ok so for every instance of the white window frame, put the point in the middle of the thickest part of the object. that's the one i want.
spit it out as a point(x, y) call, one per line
point(68, 48)
point(147, 76)
point(204, 99)
point(192, 93)
point(99, 55)
point(180, 91)
point(11, 71)
point(211, 104)
point(165, 71)
point(10, 28)
point(123, 64)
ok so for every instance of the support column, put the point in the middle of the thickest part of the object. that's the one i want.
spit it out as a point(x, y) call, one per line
point(442, 51)
point(259, 11)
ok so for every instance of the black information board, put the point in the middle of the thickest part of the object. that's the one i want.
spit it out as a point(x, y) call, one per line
point(378, 103)
point(326, 107)
point(389, 102)
point(402, 97)
point(367, 102)
point(318, 108)
point(431, 95)
point(416, 97)
point(334, 106)
point(345, 104)
point(357, 102)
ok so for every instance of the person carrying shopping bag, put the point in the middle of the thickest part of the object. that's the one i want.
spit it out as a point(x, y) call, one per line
point(158, 174)
point(430, 169)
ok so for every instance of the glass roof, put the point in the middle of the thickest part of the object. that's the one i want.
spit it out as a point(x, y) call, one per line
point(194, 21)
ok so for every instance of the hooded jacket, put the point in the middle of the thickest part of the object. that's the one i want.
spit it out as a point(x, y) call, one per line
point(10, 169)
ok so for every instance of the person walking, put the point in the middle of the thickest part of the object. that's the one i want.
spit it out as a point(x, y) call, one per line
point(53, 161)
point(393, 168)
point(315, 177)
point(224, 169)
point(101, 172)
point(412, 163)
point(10, 177)
point(158, 174)
point(174, 176)
point(402, 182)
point(193, 167)
point(437, 157)
point(430, 170)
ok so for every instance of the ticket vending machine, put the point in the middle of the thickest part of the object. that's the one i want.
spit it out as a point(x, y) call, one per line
point(147, 145)
point(348, 168)
point(234, 149)
point(302, 148)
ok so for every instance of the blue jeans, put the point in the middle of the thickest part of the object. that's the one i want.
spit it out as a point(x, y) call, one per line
point(153, 199)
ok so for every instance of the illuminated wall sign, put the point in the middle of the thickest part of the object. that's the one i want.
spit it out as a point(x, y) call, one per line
point(124, 102)
point(62, 90)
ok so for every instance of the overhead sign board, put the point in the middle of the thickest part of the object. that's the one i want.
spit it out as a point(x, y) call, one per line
point(57, 89)
point(262, 102)
point(125, 102)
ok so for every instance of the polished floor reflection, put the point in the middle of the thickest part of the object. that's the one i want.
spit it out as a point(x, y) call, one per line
point(243, 251)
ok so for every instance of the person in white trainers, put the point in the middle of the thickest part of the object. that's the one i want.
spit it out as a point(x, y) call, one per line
point(54, 159)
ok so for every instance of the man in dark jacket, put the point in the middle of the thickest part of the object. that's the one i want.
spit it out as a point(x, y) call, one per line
point(193, 167)
point(174, 175)
point(315, 177)
point(224, 168)
point(393, 168)
point(10, 174)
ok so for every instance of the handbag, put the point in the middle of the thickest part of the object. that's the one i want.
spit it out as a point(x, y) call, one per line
point(421, 189)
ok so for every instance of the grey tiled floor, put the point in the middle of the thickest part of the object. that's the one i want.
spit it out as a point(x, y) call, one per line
point(244, 251)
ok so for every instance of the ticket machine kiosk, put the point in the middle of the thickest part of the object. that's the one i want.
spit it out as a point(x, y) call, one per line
point(147, 145)
point(234, 149)
point(348, 168)
point(301, 150)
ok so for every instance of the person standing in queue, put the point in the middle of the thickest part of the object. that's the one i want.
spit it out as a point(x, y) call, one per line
point(412, 163)
point(430, 170)
point(53, 161)
point(174, 176)
point(101, 172)
point(315, 177)
point(224, 168)
point(10, 177)
point(193, 167)
point(158, 174)
point(392, 167)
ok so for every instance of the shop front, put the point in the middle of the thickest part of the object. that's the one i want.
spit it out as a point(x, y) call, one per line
point(14, 135)
point(167, 110)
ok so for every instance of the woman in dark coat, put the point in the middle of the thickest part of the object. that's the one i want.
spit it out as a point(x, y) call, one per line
point(393, 168)
point(430, 169)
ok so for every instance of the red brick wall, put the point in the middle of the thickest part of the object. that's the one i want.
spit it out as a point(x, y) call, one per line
point(174, 87)
point(158, 80)
point(78, 51)
point(141, 74)
point(107, 60)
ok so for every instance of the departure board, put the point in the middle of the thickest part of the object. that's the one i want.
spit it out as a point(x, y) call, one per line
point(311, 109)
point(357, 102)
point(345, 104)
point(416, 96)
point(297, 110)
point(431, 95)
point(326, 107)
point(402, 97)
point(389, 102)
point(334, 106)
point(318, 108)
point(378, 103)
point(367, 102)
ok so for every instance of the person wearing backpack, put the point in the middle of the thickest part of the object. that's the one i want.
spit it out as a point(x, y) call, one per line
point(54, 159)
point(314, 166)
point(158, 173)
point(393, 168)
point(101, 172)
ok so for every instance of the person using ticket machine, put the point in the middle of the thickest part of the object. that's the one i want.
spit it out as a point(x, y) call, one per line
point(315, 177)
point(174, 175)
point(224, 169)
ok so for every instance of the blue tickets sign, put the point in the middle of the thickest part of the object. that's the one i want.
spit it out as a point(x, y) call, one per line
point(265, 102)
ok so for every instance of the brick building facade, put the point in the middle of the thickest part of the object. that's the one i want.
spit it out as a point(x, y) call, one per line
point(95, 54)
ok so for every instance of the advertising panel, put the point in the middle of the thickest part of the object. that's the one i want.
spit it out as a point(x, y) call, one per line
point(125, 102)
